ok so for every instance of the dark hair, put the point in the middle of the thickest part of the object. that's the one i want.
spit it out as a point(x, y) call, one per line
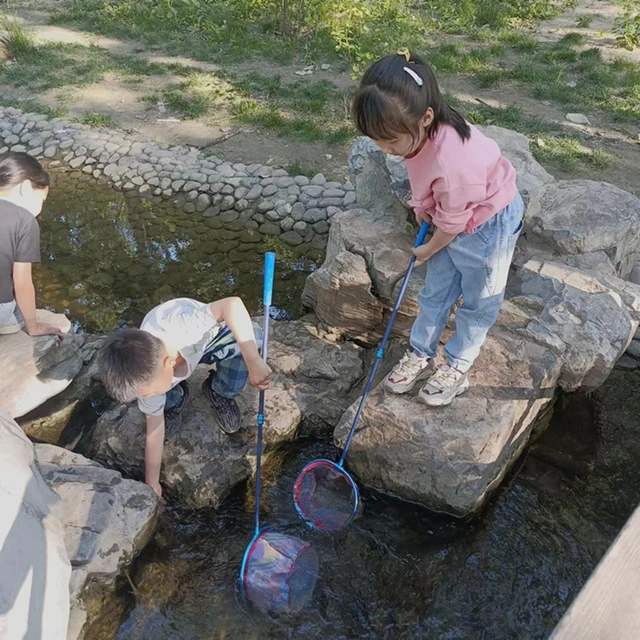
point(390, 102)
point(127, 360)
point(16, 167)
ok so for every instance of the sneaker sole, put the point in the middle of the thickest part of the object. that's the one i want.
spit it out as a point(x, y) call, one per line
point(430, 403)
point(407, 386)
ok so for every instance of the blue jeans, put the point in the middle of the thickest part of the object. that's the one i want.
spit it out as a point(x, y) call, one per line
point(231, 370)
point(476, 266)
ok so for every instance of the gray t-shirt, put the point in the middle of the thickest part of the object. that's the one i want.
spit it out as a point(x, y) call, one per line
point(19, 242)
point(188, 326)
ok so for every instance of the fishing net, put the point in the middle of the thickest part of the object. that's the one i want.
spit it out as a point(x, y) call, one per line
point(326, 496)
point(279, 573)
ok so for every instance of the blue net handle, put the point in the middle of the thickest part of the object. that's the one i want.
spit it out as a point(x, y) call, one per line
point(380, 353)
point(269, 272)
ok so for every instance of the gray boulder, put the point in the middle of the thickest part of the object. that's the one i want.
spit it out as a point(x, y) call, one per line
point(449, 459)
point(34, 565)
point(107, 521)
point(312, 377)
point(577, 217)
point(36, 369)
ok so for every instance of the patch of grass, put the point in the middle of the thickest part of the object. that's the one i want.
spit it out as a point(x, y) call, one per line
point(358, 31)
point(568, 151)
point(518, 39)
point(40, 67)
point(97, 120)
point(16, 41)
point(297, 169)
point(32, 106)
point(584, 21)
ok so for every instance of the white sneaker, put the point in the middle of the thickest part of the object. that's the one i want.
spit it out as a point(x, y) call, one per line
point(407, 372)
point(11, 326)
point(443, 386)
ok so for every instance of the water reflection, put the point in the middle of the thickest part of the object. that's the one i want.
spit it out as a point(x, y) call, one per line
point(107, 259)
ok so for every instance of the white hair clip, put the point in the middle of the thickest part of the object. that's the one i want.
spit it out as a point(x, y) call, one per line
point(415, 76)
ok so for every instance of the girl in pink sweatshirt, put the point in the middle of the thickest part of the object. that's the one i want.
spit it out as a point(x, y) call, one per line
point(467, 189)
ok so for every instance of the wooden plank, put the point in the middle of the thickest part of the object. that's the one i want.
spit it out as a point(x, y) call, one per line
point(608, 607)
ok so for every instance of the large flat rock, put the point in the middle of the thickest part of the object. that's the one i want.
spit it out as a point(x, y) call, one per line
point(449, 458)
point(558, 326)
point(36, 369)
point(34, 565)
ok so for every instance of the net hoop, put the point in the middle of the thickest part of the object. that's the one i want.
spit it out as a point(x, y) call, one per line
point(323, 462)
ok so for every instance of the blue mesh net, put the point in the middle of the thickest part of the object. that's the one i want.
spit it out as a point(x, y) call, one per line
point(280, 573)
point(326, 496)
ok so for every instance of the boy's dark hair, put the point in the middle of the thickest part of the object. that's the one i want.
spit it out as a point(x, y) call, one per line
point(16, 167)
point(127, 360)
point(390, 102)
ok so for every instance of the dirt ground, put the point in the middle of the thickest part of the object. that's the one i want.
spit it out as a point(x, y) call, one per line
point(222, 136)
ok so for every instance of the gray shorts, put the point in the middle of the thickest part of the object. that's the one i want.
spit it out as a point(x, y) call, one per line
point(7, 312)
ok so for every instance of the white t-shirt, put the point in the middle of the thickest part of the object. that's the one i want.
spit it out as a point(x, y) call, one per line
point(186, 325)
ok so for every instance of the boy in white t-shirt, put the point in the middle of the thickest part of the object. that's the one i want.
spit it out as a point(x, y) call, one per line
point(152, 364)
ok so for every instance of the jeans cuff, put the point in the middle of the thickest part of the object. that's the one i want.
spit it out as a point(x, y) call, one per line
point(422, 354)
point(461, 365)
point(224, 393)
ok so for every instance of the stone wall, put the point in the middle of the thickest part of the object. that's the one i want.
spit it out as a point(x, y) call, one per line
point(261, 198)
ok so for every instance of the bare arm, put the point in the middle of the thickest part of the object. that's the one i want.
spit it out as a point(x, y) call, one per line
point(26, 298)
point(153, 452)
point(439, 241)
point(233, 312)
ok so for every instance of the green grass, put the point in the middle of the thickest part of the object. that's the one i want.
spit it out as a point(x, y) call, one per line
point(584, 21)
point(47, 66)
point(32, 106)
point(549, 144)
point(297, 169)
point(356, 31)
point(16, 41)
point(549, 70)
point(97, 120)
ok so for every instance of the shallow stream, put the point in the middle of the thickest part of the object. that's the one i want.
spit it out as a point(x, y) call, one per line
point(399, 571)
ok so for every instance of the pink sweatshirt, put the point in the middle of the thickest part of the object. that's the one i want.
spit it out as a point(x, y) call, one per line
point(460, 184)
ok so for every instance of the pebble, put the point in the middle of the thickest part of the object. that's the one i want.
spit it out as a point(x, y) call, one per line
point(331, 202)
point(269, 190)
point(314, 215)
point(254, 193)
point(287, 224)
point(284, 182)
point(270, 229)
point(203, 202)
point(333, 193)
point(300, 227)
point(350, 198)
point(227, 203)
point(292, 238)
point(318, 179)
point(313, 191)
point(302, 180)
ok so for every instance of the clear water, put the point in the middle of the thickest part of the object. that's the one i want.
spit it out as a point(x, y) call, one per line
point(107, 260)
point(398, 571)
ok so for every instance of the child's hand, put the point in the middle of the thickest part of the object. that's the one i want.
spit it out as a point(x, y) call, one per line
point(42, 329)
point(260, 374)
point(422, 253)
point(422, 217)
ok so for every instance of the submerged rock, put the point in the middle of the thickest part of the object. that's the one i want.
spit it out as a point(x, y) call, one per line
point(36, 369)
